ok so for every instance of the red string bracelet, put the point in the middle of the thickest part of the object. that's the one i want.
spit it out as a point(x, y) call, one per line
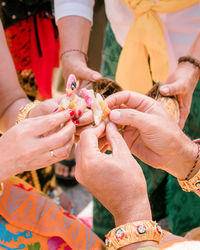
point(74, 50)
point(196, 160)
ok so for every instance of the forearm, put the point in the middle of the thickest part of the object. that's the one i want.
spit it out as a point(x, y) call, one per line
point(194, 52)
point(140, 211)
point(10, 90)
point(183, 158)
point(195, 49)
point(74, 33)
point(9, 117)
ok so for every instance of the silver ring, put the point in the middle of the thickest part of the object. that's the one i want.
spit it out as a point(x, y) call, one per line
point(52, 153)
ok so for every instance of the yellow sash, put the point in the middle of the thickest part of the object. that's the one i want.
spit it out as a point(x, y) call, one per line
point(146, 39)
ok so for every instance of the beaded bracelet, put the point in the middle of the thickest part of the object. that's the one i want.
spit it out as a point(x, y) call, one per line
point(74, 50)
point(145, 230)
point(193, 184)
point(23, 111)
point(195, 163)
point(189, 59)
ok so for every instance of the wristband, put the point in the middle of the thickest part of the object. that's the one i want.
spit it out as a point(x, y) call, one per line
point(145, 230)
point(74, 50)
point(191, 60)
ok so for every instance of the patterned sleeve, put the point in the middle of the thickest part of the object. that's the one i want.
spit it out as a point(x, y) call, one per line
point(83, 8)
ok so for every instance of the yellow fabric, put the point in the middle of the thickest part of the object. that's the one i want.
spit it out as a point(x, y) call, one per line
point(146, 38)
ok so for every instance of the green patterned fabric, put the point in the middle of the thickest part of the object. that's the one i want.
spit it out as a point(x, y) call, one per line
point(165, 195)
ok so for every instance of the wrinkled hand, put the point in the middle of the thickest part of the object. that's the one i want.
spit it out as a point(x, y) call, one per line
point(182, 83)
point(75, 63)
point(24, 147)
point(151, 134)
point(111, 177)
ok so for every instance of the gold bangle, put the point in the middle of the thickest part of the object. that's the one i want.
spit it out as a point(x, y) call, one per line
point(23, 111)
point(145, 230)
point(1, 188)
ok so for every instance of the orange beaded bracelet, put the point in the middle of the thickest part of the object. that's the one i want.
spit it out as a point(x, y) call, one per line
point(145, 230)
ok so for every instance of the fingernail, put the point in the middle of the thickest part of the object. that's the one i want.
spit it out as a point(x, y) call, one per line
point(112, 126)
point(72, 113)
point(79, 112)
point(165, 90)
point(56, 110)
point(115, 115)
point(96, 76)
point(75, 121)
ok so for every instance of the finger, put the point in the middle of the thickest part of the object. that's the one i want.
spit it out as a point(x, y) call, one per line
point(131, 100)
point(79, 130)
point(80, 107)
point(47, 158)
point(184, 112)
point(105, 148)
point(130, 117)
point(43, 108)
point(171, 89)
point(86, 73)
point(86, 118)
point(102, 142)
point(89, 140)
point(64, 152)
point(58, 139)
point(119, 146)
point(44, 124)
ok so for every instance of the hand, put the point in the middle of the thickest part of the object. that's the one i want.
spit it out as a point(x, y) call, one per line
point(182, 83)
point(85, 122)
point(52, 105)
point(24, 147)
point(75, 63)
point(151, 134)
point(111, 177)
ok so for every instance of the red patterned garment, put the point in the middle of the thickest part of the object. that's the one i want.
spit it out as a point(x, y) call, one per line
point(34, 46)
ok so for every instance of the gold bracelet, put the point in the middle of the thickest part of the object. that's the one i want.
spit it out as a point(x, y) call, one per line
point(192, 185)
point(23, 111)
point(145, 230)
point(1, 188)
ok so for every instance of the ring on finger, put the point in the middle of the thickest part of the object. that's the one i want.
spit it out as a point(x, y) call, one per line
point(52, 153)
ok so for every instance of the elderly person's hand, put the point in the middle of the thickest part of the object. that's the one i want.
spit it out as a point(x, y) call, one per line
point(182, 83)
point(116, 180)
point(151, 134)
point(27, 146)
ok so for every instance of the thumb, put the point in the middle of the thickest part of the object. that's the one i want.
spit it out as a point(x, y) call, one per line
point(89, 139)
point(171, 89)
point(85, 73)
point(119, 146)
point(130, 117)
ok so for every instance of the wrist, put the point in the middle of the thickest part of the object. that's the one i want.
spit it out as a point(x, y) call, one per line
point(138, 209)
point(193, 72)
point(184, 159)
